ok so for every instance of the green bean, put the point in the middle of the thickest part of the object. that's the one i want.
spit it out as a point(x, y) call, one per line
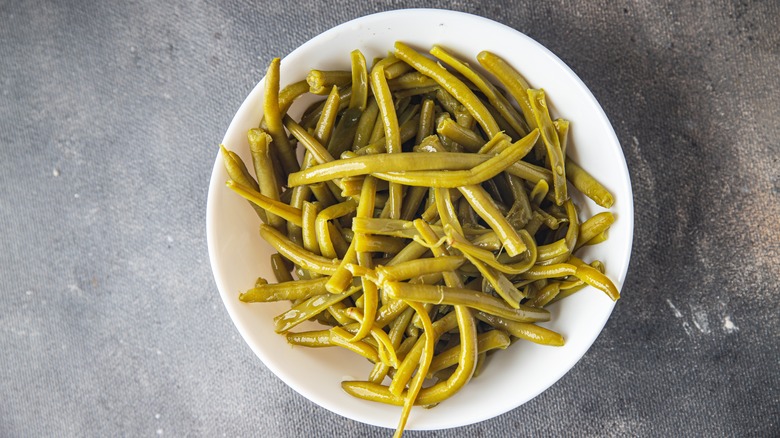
point(492, 340)
point(307, 309)
point(365, 125)
point(551, 142)
point(384, 244)
point(294, 290)
point(291, 92)
point(476, 175)
point(266, 178)
point(486, 208)
point(588, 185)
point(449, 82)
point(562, 129)
point(359, 81)
point(278, 208)
point(313, 113)
point(344, 134)
point(458, 296)
point(342, 277)
point(552, 251)
point(550, 271)
point(408, 161)
point(523, 330)
point(395, 334)
point(598, 280)
point(573, 231)
point(495, 98)
point(321, 81)
point(425, 361)
point(447, 213)
point(365, 208)
point(404, 371)
point(414, 268)
point(514, 267)
point(465, 137)
point(546, 294)
point(324, 238)
point(309, 234)
point(512, 80)
point(341, 338)
point(273, 119)
point(305, 259)
point(394, 68)
point(392, 132)
point(327, 121)
point(280, 268)
point(411, 80)
point(313, 338)
point(499, 283)
point(233, 166)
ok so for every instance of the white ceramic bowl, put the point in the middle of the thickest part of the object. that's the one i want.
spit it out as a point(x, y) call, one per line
point(512, 377)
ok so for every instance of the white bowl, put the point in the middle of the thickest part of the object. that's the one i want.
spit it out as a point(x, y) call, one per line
point(512, 377)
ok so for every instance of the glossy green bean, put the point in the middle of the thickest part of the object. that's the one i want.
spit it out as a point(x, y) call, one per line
point(486, 209)
point(307, 309)
point(273, 119)
point(492, 340)
point(305, 259)
point(392, 132)
point(552, 143)
point(322, 81)
point(359, 81)
point(259, 142)
point(523, 330)
point(293, 290)
point(588, 185)
point(452, 84)
point(496, 99)
point(458, 178)
point(465, 297)
point(278, 208)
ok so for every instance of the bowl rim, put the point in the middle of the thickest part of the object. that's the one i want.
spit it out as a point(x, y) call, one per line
point(442, 14)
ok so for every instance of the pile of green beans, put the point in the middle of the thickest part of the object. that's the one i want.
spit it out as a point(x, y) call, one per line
point(428, 222)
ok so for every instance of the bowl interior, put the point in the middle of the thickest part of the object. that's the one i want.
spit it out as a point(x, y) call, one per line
point(511, 377)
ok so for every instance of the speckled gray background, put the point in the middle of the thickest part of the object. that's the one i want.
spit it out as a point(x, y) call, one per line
point(110, 321)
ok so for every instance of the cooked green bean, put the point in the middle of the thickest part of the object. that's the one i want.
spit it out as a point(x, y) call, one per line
point(273, 119)
point(458, 178)
point(489, 90)
point(321, 81)
point(523, 330)
point(486, 209)
point(294, 290)
point(562, 129)
point(278, 208)
point(324, 238)
point(494, 339)
point(359, 81)
point(392, 133)
point(588, 185)
point(512, 80)
point(281, 269)
point(458, 296)
point(309, 308)
point(551, 142)
point(233, 166)
point(452, 84)
point(305, 259)
point(465, 137)
point(259, 142)
point(365, 125)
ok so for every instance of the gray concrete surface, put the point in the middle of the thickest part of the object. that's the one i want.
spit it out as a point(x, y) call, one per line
point(110, 321)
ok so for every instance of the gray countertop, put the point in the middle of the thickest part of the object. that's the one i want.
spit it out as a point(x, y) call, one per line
point(110, 116)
